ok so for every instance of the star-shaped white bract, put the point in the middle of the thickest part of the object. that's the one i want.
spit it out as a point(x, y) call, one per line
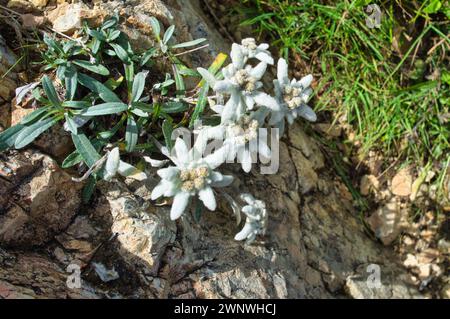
point(192, 175)
point(252, 50)
point(242, 83)
point(292, 97)
point(256, 221)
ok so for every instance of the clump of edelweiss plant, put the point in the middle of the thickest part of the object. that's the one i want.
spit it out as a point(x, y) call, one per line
point(121, 109)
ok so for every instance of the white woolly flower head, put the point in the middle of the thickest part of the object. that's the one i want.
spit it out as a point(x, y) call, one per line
point(256, 219)
point(292, 95)
point(242, 82)
point(252, 50)
point(192, 175)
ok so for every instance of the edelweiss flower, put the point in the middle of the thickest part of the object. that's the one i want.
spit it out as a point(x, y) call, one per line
point(256, 220)
point(242, 82)
point(114, 165)
point(292, 97)
point(242, 140)
point(252, 50)
point(192, 175)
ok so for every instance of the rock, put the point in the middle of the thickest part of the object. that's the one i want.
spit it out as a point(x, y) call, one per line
point(66, 18)
point(39, 199)
point(387, 222)
point(329, 129)
point(105, 275)
point(39, 3)
point(31, 276)
point(56, 142)
point(31, 21)
point(368, 284)
point(368, 182)
point(7, 87)
point(5, 116)
point(401, 183)
point(143, 231)
point(21, 5)
point(445, 291)
point(18, 112)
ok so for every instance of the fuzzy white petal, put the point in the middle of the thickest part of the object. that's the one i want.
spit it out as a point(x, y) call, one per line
point(217, 158)
point(130, 171)
point(168, 172)
point(263, 46)
point(266, 100)
point(237, 56)
point(244, 233)
point(306, 112)
point(264, 57)
point(112, 162)
point(180, 202)
point(181, 151)
point(158, 190)
point(154, 162)
point(306, 81)
point(224, 182)
point(249, 102)
point(258, 71)
point(207, 76)
point(245, 158)
point(223, 86)
point(206, 195)
point(282, 72)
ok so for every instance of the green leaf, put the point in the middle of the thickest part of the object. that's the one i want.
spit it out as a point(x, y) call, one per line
point(95, 45)
point(433, 7)
point(76, 104)
point(121, 53)
point(179, 82)
point(139, 112)
point(50, 91)
point(97, 35)
point(95, 68)
point(113, 35)
point(200, 106)
point(445, 77)
point(88, 189)
point(52, 44)
point(129, 77)
point(156, 28)
point(8, 136)
point(111, 22)
point(105, 109)
point(188, 44)
point(85, 149)
point(174, 107)
point(105, 94)
point(72, 159)
point(30, 133)
point(167, 129)
point(198, 210)
point(110, 133)
point(131, 134)
point(71, 124)
point(138, 86)
point(36, 114)
point(168, 34)
point(143, 106)
point(147, 55)
point(71, 81)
